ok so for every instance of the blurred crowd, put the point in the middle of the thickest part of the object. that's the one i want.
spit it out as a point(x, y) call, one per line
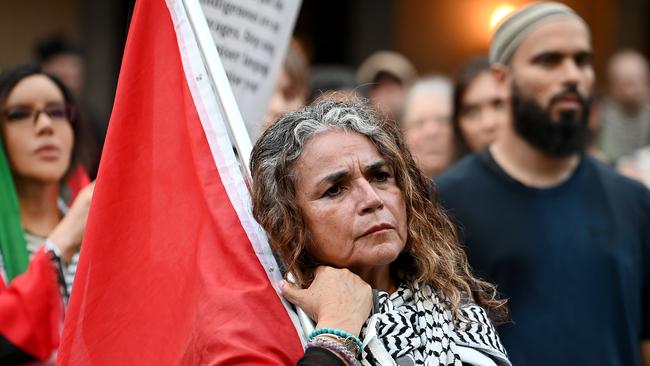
point(445, 117)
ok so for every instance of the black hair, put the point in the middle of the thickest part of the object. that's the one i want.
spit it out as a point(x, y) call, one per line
point(12, 76)
point(49, 48)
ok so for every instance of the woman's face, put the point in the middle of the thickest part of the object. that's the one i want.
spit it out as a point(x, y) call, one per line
point(36, 132)
point(352, 207)
point(428, 133)
point(484, 110)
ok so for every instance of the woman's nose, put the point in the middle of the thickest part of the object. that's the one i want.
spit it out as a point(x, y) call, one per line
point(42, 121)
point(369, 199)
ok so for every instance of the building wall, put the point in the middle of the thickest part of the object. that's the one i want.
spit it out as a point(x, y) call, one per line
point(24, 22)
point(439, 35)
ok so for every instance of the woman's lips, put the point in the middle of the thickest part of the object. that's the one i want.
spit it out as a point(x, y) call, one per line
point(380, 228)
point(48, 151)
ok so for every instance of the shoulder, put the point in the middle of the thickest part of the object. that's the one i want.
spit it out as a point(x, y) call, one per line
point(462, 171)
point(612, 180)
point(620, 191)
point(473, 178)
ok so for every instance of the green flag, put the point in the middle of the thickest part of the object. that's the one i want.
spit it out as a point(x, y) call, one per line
point(12, 237)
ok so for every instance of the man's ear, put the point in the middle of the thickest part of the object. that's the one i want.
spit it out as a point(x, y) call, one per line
point(501, 73)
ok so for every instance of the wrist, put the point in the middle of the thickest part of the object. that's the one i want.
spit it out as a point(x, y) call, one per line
point(351, 327)
point(349, 342)
point(65, 247)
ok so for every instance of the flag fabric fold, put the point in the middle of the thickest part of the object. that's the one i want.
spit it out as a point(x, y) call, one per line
point(31, 310)
point(173, 269)
point(13, 250)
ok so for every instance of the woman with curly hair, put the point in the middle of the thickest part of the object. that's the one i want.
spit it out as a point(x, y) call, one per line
point(377, 265)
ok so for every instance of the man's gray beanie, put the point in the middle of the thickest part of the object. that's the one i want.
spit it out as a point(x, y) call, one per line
point(516, 26)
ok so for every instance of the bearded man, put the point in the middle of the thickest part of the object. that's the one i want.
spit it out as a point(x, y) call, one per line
point(564, 237)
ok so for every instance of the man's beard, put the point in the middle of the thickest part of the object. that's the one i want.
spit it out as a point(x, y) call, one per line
point(567, 136)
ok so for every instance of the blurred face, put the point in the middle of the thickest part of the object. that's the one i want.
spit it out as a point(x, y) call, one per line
point(427, 131)
point(284, 99)
point(484, 110)
point(36, 130)
point(69, 68)
point(387, 96)
point(351, 205)
point(629, 83)
point(552, 67)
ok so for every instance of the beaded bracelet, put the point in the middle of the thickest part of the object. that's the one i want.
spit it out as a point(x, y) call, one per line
point(348, 343)
point(336, 348)
point(337, 332)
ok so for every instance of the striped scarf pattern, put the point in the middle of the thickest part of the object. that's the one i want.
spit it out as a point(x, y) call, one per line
point(414, 326)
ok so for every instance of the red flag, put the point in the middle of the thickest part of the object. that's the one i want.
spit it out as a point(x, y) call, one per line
point(76, 181)
point(168, 274)
point(31, 309)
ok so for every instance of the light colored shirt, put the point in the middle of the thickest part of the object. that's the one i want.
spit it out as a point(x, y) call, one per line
point(622, 134)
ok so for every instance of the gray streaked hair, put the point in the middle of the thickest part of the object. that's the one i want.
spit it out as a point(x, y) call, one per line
point(295, 128)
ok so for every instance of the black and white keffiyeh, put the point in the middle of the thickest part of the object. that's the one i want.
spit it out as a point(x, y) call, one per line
point(414, 326)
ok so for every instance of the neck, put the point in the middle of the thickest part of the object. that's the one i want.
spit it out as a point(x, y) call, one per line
point(378, 278)
point(529, 165)
point(39, 212)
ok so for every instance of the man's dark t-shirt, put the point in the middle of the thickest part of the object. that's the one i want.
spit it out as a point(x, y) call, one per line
point(572, 259)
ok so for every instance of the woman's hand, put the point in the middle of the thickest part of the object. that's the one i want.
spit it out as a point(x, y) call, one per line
point(337, 298)
point(68, 233)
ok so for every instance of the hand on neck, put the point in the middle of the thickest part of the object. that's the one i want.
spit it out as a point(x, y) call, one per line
point(529, 165)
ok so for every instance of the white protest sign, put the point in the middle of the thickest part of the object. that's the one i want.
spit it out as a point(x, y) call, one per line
point(252, 38)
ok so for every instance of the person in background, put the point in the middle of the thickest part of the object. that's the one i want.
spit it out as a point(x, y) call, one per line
point(57, 57)
point(386, 75)
point(346, 209)
point(625, 114)
point(332, 80)
point(65, 61)
point(292, 87)
point(480, 107)
point(426, 123)
point(39, 236)
point(564, 237)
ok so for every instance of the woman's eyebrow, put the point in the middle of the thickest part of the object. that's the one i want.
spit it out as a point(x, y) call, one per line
point(343, 174)
point(375, 166)
point(335, 177)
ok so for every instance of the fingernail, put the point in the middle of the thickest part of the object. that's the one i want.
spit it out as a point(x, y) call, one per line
point(282, 283)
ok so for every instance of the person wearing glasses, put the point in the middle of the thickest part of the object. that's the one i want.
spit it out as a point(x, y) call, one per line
point(39, 236)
